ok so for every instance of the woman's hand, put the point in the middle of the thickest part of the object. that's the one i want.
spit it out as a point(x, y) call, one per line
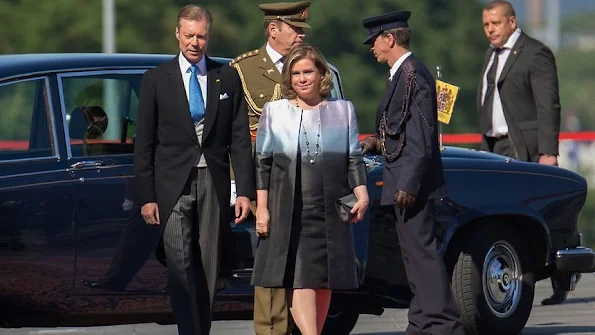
point(359, 209)
point(262, 221)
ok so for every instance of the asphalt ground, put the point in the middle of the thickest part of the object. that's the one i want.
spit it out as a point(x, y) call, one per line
point(575, 316)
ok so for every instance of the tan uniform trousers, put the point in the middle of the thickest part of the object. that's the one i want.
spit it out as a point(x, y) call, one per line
point(271, 311)
point(271, 305)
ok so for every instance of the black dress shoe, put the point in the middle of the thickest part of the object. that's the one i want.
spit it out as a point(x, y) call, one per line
point(558, 297)
point(100, 285)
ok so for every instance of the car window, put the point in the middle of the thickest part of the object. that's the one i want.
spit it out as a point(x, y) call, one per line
point(336, 91)
point(25, 130)
point(101, 113)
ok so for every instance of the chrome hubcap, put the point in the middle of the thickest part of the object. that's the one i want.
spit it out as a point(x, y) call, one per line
point(502, 279)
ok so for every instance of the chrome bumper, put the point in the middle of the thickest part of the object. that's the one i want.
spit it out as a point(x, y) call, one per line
point(578, 259)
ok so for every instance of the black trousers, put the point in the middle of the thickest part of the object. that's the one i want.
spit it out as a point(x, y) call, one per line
point(501, 145)
point(191, 240)
point(432, 309)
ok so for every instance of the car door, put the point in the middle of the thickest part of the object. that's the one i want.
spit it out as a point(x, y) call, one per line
point(36, 196)
point(114, 246)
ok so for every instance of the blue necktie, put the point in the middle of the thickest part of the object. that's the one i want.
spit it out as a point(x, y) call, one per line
point(195, 100)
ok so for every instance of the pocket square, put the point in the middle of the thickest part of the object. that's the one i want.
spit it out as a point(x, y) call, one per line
point(223, 96)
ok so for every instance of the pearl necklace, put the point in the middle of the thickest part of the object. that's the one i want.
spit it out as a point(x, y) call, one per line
point(311, 159)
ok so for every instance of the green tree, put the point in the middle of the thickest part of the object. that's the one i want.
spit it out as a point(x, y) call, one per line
point(445, 33)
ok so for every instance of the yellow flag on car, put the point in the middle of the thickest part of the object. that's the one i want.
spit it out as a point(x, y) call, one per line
point(446, 95)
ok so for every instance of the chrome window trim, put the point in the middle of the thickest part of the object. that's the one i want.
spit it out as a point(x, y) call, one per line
point(59, 71)
point(52, 121)
point(61, 76)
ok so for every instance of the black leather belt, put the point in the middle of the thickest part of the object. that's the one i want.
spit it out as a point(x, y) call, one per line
point(498, 138)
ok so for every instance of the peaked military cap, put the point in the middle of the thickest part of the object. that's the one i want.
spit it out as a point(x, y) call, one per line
point(292, 13)
point(379, 23)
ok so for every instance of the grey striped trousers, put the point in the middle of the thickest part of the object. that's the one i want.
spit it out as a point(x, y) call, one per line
point(191, 243)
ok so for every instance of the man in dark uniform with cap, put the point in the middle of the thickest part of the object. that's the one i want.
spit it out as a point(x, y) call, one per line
point(260, 73)
point(407, 136)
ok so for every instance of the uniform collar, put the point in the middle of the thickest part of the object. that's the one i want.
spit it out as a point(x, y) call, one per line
point(273, 55)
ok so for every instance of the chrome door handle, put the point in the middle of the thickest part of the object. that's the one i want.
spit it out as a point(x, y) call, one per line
point(87, 164)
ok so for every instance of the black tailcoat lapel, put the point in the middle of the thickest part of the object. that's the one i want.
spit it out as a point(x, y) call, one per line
point(213, 91)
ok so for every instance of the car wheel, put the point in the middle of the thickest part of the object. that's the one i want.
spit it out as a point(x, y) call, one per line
point(492, 280)
point(338, 322)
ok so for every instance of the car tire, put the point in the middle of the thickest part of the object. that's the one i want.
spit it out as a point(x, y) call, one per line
point(488, 259)
point(338, 322)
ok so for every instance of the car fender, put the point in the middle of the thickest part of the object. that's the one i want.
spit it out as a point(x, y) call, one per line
point(471, 216)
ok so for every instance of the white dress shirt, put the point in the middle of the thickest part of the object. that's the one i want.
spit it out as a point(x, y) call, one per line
point(499, 126)
point(276, 57)
point(397, 64)
point(202, 81)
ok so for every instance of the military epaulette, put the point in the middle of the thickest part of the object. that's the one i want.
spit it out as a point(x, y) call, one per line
point(243, 56)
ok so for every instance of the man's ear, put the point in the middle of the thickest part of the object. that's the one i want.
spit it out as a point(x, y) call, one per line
point(274, 29)
point(513, 22)
point(391, 40)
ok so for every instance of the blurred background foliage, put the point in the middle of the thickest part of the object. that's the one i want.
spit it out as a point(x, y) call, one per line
point(446, 33)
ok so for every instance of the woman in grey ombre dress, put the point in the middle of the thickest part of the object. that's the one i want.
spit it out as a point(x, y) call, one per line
point(307, 156)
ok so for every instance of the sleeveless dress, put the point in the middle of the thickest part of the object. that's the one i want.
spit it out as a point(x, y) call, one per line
point(307, 264)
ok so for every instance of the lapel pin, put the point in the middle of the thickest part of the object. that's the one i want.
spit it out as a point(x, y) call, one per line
point(270, 70)
point(514, 52)
point(217, 80)
point(264, 59)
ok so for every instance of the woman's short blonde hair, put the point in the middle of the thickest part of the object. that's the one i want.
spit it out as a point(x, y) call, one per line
point(298, 53)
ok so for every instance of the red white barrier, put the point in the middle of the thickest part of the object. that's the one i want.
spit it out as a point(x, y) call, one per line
point(475, 138)
point(451, 139)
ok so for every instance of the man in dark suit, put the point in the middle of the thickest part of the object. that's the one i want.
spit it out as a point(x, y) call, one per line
point(407, 136)
point(191, 119)
point(517, 100)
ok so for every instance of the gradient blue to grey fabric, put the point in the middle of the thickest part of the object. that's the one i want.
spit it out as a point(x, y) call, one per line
point(343, 169)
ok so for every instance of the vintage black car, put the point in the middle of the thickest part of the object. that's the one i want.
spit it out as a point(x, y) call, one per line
point(75, 251)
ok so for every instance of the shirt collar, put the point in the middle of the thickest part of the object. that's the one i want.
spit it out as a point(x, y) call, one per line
point(185, 65)
point(398, 63)
point(511, 40)
point(274, 55)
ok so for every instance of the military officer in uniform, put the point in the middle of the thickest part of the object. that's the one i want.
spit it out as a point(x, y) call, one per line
point(260, 73)
point(407, 136)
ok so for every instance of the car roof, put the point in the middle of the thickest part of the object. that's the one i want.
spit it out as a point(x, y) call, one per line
point(23, 64)
point(31, 64)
